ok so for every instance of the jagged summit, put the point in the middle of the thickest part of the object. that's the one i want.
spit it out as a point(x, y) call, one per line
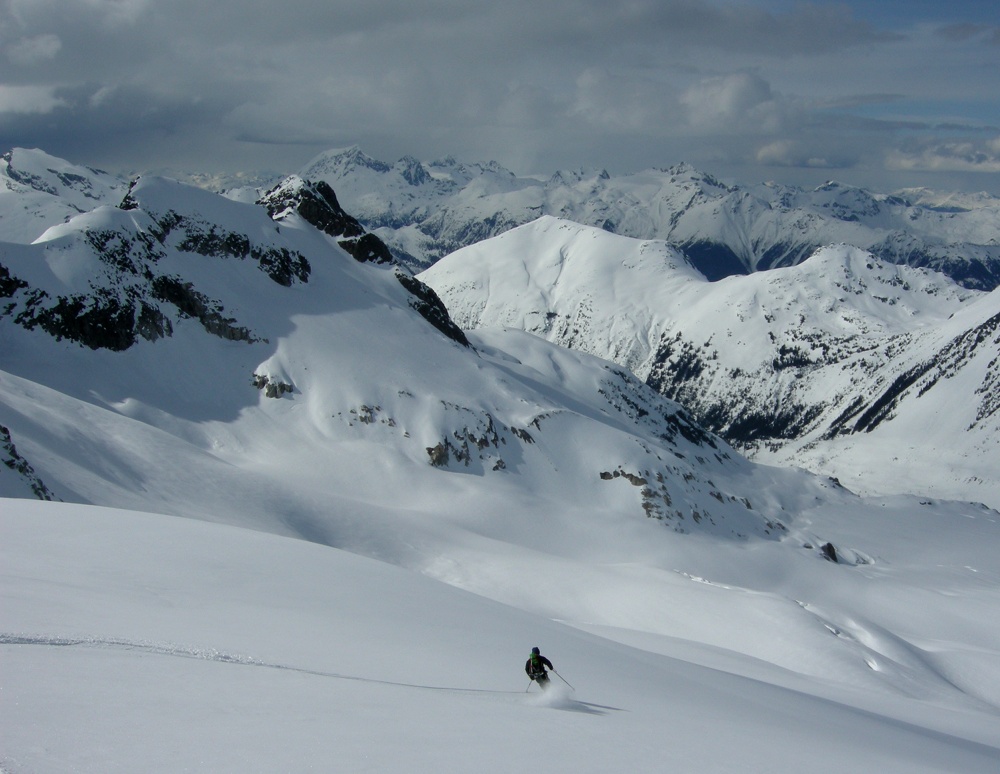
point(346, 160)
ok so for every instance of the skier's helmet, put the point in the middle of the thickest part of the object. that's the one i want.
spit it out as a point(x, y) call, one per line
point(535, 651)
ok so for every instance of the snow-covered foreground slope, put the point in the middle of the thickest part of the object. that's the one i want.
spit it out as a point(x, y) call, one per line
point(134, 642)
point(882, 375)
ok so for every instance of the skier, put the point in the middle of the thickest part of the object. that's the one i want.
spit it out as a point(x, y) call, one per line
point(535, 667)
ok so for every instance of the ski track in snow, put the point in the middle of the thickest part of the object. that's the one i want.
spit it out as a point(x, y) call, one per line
point(557, 699)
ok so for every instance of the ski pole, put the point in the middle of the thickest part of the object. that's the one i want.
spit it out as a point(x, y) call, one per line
point(564, 679)
point(530, 681)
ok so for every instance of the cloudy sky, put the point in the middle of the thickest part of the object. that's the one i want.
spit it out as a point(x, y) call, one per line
point(884, 93)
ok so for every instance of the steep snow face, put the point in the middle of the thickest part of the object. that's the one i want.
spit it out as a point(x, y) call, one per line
point(426, 211)
point(38, 191)
point(836, 353)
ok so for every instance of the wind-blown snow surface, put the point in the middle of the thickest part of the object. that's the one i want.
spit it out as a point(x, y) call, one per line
point(882, 375)
point(524, 495)
point(134, 642)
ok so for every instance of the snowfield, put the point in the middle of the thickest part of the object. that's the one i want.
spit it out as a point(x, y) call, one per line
point(136, 642)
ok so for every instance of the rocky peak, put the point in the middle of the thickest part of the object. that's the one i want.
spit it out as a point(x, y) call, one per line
point(345, 161)
point(412, 171)
point(315, 202)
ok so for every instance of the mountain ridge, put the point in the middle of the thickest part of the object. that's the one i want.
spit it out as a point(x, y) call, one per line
point(783, 364)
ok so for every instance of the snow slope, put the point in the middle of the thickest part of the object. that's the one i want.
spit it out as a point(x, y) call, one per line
point(151, 643)
point(177, 346)
point(881, 375)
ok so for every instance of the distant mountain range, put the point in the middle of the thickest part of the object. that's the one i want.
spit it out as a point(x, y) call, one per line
point(424, 211)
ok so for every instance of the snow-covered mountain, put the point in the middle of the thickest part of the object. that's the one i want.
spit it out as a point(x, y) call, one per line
point(38, 190)
point(832, 363)
point(425, 211)
point(184, 311)
point(269, 367)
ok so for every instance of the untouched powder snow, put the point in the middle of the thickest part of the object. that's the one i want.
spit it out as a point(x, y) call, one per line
point(152, 643)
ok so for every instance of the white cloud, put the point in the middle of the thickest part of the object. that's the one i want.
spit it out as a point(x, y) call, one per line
point(113, 13)
point(613, 103)
point(789, 153)
point(27, 99)
point(958, 156)
point(31, 51)
point(578, 82)
point(738, 101)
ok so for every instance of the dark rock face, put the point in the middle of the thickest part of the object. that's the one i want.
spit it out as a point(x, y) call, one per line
point(10, 457)
point(9, 285)
point(130, 298)
point(316, 203)
point(438, 454)
point(429, 305)
point(200, 237)
point(98, 321)
point(190, 303)
point(129, 301)
point(367, 248)
point(272, 388)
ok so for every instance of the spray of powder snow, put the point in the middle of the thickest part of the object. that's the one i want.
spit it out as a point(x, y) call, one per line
point(554, 697)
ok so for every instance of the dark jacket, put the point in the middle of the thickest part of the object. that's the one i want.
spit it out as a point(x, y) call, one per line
point(537, 669)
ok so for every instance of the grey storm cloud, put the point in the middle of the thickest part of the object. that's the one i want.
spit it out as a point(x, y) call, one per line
point(536, 85)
